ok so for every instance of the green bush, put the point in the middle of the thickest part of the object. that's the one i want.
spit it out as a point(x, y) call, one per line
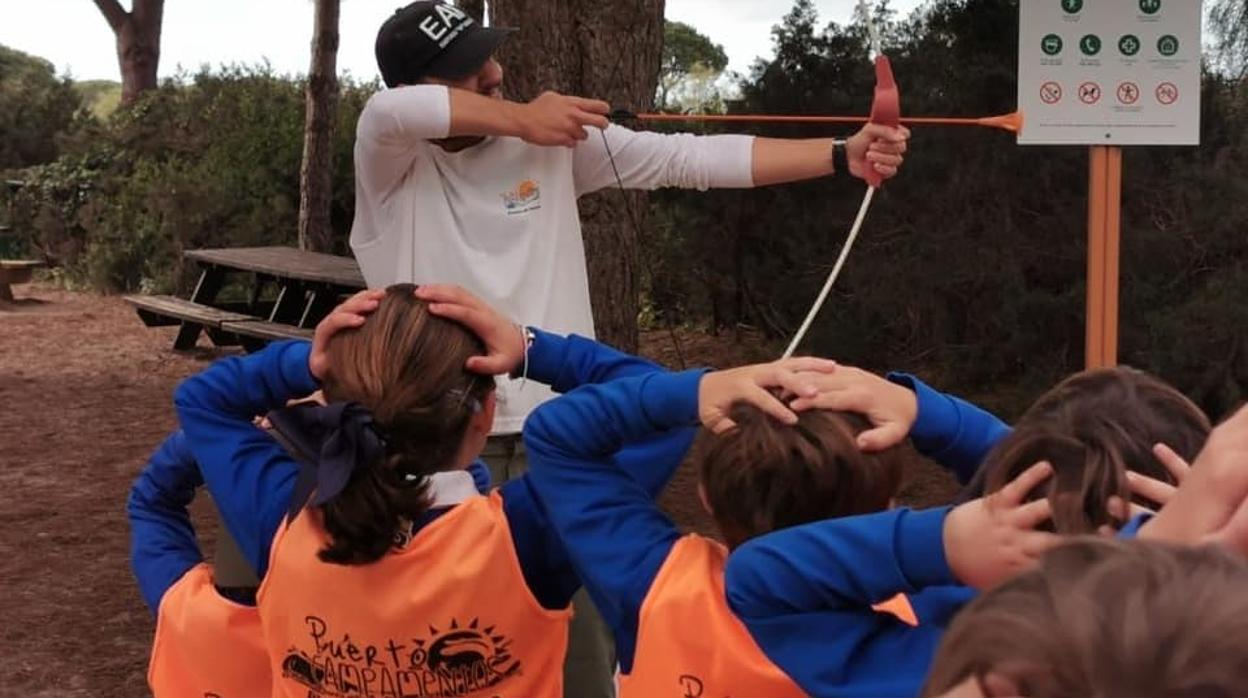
point(35, 106)
point(209, 160)
point(971, 266)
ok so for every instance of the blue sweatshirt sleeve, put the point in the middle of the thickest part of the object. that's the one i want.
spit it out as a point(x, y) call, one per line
point(565, 363)
point(805, 595)
point(1132, 528)
point(482, 478)
point(938, 605)
point(611, 527)
point(951, 431)
point(162, 541)
point(250, 476)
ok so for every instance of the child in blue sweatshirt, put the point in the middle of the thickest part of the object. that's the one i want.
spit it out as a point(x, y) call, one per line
point(1097, 430)
point(205, 644)
point(1114, 436)
point(664, 594)
point(368, 587)
point(1045, 633)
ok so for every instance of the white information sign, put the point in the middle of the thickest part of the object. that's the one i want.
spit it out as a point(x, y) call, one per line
point(1109, 72)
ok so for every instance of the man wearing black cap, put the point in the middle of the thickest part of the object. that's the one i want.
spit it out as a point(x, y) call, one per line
point(456, 184)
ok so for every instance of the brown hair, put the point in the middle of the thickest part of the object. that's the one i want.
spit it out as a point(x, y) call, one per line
point(1094, 427)
point(763, 475)
point(1101, 617)
point(406, 366)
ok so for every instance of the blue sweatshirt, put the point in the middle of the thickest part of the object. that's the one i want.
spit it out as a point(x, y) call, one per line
point(251, 477)
point(163, 545)
point(949, 430)
point(958, 436)
point(162, 541)
point(617, 537)
point(805, 594)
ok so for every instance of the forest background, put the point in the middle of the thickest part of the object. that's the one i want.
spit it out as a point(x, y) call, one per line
point(970, 270)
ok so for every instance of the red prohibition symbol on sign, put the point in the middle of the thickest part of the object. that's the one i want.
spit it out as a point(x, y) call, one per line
point(1050, 93)
point(1089, 93)
point(1167, 93)
point(1128, 92)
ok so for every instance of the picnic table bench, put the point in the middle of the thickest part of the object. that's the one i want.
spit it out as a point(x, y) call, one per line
point(15, 271)
point(307, 285)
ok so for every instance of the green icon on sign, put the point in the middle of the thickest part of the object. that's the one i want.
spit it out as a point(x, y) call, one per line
point(1150, 7)
point(1168, 45)
point(1073, 6)
point(1051, 44)
point(1090, 44)
point(1129, 44)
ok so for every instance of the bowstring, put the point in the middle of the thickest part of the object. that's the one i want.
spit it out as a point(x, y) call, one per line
point(874, 35)
point(632, 218)
point(836, 271)
point(872, 31)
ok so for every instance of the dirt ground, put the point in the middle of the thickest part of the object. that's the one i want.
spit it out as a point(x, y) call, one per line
point(86, 393)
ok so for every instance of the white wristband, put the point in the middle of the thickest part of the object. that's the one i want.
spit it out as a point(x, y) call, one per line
point(526, 338)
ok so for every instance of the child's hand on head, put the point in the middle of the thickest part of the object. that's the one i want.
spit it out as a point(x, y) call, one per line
point(1150, 489)
point(350, 314)
point(720, 390)
point(504, 340)
point(1211, 502)
point(989, 540)
point(890, 408)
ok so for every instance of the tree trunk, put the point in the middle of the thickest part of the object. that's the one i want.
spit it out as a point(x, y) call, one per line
point(138, 43)
point(608, 49)
point(316, 193)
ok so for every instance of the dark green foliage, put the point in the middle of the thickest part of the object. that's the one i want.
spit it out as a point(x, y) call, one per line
point(686, 52)
point(209, 160)
point(102, 97)
point(35, 106)
point(684, 46)
point(971, 266)
point(970, 269)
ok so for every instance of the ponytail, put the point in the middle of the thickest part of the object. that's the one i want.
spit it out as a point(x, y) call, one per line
point(365, 519)
point(407, 368)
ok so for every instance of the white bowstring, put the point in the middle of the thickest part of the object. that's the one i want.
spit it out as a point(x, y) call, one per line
point(871, 29)
point(853, 231)
point(836, 271)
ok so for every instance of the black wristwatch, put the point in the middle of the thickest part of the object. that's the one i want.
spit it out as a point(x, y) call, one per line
point(840, 163)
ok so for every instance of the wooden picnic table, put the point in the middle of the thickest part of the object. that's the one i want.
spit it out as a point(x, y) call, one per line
point(15, 271)
point(285, 262)
point(308, 285)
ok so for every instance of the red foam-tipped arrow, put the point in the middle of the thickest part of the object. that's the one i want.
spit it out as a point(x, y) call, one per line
point(1012, 122)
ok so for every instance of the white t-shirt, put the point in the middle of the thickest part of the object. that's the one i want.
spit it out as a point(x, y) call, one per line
point(500, 218)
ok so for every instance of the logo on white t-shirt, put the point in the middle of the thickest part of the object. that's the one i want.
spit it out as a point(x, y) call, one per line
point(525, 197)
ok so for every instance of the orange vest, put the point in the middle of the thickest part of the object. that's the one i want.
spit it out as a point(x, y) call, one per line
point(689, 643)
point(899, 606)
point(448, 615)
point(206, 645)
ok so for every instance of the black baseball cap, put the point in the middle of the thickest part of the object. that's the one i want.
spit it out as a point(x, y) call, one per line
point(433, 39)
